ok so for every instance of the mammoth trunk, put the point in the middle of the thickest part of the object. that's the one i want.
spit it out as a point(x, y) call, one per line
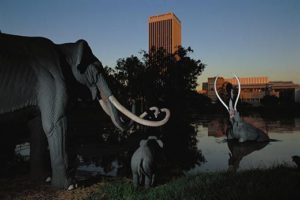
point(107, 106)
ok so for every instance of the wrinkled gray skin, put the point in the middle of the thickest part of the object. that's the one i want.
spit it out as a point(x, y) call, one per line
point(35, 72)
point(241, 130)
point(143, 161)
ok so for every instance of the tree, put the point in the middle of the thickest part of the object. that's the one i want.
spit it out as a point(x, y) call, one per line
point(270, 100)
point(173, 75)
point(130, 73)
point(160, 78)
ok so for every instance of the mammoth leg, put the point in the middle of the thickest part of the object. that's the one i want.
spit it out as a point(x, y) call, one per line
point(39, 155)
point(52, 101)
point(59, 163)
point(148, 181)
point(153, 179)
point(135, 179)
point(229, 134)
point(7, 147)
point(148, 176)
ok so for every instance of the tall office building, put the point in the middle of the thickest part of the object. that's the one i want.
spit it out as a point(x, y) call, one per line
point(165, 31)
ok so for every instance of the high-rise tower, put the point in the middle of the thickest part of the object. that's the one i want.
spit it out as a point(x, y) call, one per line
point(165, 31)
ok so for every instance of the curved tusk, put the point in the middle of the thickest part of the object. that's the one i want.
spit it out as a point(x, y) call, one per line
point(239, 92)
point(215, 87)
point(144, 114)
point(156, 112)
point(137, 119)
point(108, 112)
point(104, 107)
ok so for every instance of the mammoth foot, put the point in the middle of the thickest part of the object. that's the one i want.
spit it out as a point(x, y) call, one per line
point(69, 184)
point(72, 187)
point(48, 179)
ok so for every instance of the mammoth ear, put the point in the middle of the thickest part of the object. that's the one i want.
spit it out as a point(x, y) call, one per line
point(160, 143)
point(84, 55)
point(143, 142)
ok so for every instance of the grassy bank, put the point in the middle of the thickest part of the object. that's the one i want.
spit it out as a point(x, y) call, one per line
point(275, 183)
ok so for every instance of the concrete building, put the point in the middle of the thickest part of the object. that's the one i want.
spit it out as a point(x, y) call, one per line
point(253, 89)
point(210, 87)
point(165, 31)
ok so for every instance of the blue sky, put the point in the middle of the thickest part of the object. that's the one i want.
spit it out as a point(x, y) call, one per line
point(243, 37)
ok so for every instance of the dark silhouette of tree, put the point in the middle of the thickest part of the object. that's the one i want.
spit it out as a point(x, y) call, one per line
point(270, 100)
point(130, 73)
point(165, 80)
point(114, 84)
point(172, 76)
point(158, 78)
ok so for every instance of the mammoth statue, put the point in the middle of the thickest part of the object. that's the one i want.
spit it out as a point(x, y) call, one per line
point(36, 73)
point(144, 161)
point(240, 130)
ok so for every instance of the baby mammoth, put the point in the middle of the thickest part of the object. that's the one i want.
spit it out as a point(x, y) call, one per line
point(143, 161)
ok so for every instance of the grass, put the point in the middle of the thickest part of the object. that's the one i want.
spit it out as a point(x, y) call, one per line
point(279, 182)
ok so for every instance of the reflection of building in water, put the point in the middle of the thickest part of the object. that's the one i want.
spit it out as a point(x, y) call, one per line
point(297, 123)
point(297, 95)
point(284, 125)
point(253, 89)
point(165, 31)
point(217, 128)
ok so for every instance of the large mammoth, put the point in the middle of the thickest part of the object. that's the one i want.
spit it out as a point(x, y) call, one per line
point(36, 73)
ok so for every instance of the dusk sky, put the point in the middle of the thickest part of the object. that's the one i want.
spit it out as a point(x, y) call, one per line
point(242, 37)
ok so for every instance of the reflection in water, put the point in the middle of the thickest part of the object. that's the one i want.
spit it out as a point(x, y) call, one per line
point(95, 160)
point(218, 127)
point(87, 170)
point(180, 153)
point(239, 150)
point(191, 148)
point(23, 150)
point(180, 139)
point(221, 155)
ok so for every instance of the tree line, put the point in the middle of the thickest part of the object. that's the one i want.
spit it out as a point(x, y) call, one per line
point(158, 78)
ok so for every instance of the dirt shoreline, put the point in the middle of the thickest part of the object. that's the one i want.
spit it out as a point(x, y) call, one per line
point(21, 188)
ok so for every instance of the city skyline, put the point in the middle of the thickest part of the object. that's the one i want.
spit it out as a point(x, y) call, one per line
point(253, 38)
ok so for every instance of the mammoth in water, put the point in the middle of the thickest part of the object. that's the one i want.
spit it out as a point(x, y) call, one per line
point(240, 130)
point(39, 74)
